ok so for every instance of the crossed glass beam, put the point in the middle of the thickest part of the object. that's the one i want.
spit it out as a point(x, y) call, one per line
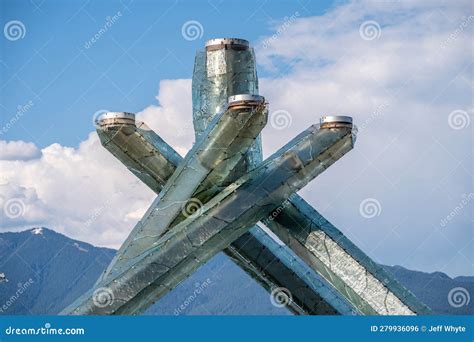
point(213, 198)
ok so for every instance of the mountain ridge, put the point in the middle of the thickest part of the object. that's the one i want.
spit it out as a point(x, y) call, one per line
point(52, 270)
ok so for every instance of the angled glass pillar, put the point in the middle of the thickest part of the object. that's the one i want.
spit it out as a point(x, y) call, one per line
point(227, 68)
point(266, 261)
point(370, 288)
point(224, 218)
point(227, 138)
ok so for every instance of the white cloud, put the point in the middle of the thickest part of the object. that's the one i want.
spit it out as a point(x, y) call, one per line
point(400, 88)
point(172, 118)
point(85, 192)
point(18, 150)
point(81, 192)
point(20, 206)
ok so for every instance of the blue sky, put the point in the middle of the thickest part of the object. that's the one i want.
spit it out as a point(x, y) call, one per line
point(68, 82)
point(402, 69)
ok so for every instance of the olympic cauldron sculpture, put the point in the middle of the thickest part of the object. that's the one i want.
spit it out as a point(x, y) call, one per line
point(212, 199)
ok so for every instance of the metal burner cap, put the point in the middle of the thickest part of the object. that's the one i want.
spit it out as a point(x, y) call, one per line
point(227, 43)
point(245, 99)
point(330, 121)
point(115, 118)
